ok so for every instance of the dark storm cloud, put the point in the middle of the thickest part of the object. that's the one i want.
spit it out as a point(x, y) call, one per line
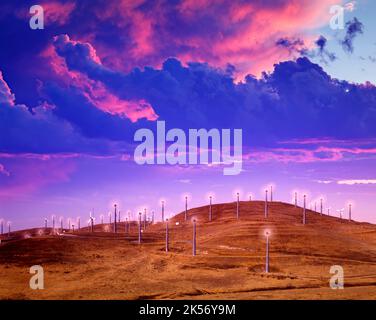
point(72, 106)
point(39, 130)
point(298, 99)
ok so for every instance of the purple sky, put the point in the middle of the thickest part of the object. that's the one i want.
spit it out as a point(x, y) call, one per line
point(73, 94)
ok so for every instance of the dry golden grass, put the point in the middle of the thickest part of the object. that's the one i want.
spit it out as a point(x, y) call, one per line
point(229, 262)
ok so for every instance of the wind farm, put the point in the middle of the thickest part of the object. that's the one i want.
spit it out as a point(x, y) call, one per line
point(238, 250)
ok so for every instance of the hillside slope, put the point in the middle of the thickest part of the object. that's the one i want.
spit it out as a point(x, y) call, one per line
point(229, 263)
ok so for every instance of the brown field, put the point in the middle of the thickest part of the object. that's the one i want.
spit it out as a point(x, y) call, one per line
point(229, 263)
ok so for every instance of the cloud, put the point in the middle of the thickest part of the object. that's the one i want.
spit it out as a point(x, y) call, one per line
point(321, 43)
point(126, 34)
point(77, 54)
point(355, 181)
point(4, 171)
point(73, 106)
point(292, 45)
point(302, 155)
point(324, 141)
point(6, 96)
point(217, 32)
point(185, 181)
point(82, 57)
point(278, 106)
point(39, 130)
point(324, 181)
point(314, 150)
point(297, 100)
point(353, 28)
point(55, 12)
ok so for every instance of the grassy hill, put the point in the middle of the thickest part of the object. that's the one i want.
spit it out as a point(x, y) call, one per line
point(229, 263)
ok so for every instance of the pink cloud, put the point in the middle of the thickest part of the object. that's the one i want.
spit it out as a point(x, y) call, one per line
point(6, 96)
point(330, 141)
point(240, 33)
point(95, 91)
point(316, 150)
point(56, 12)
point(301, 155)
point(134, 110)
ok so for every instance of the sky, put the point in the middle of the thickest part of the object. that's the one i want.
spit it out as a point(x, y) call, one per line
point(72, 96)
